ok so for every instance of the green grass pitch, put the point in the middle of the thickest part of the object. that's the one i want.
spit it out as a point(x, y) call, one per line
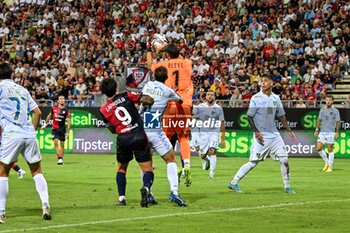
point(83, 198)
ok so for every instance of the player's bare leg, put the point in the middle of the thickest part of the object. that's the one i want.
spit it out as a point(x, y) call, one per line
point(41, 188)
point(62, 148)
point(322, 153)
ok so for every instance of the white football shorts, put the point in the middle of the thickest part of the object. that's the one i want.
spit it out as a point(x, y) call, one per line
point(326, 138)
point(207, 141)
point(11, 148)
point(159, 141)
point(274, 147)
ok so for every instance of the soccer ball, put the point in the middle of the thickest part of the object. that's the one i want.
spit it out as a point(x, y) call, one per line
point(159, 41)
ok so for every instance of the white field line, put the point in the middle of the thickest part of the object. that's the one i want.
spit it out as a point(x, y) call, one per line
point(173, 215)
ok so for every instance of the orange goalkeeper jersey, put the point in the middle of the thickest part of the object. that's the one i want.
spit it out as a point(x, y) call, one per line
point(179, 77)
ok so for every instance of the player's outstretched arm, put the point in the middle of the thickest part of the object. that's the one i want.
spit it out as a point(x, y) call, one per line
point(284, 121)
point(149, 57)
point(36, 117)
point(258, 134)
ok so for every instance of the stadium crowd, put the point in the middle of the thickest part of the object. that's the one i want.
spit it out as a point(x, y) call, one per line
point(68, 47)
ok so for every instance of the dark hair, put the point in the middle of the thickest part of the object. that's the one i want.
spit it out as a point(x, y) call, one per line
point(173, 50)
point(109, 87)
point(5, 71)
point(267, 76)
point(330, 96)
point(161, 74)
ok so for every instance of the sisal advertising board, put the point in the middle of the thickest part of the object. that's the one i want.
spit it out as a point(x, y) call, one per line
point(88, 134)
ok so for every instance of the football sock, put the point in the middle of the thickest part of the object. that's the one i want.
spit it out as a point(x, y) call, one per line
point(212, 159)
point(121, 182)
point(204, 162)
point(16, 167)
point(141, 176)
point(331, 159)
point(185, 148)
point(187, 163)
point(285, 171)
point(173, 140)
point(323, 156)
point(4, 189)
point(41, 188)
point(243, 171)
point(148, 179)
point(173, 177)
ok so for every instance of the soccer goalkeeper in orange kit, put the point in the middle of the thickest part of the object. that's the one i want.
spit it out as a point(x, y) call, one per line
point(177, 116)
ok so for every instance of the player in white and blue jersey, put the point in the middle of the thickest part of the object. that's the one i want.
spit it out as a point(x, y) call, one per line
point(18, 136)
point(329, 120)
point(213, 115)
point(264, 107)
point(152, 115)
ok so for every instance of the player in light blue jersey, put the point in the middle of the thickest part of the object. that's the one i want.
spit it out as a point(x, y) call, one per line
point(264, 107)
point(18, 136)
point(152, 116)
point(211, 115)
point(329, 120)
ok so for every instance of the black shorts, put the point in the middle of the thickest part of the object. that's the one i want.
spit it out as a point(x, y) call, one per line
point(59, 134)
point(133, 144)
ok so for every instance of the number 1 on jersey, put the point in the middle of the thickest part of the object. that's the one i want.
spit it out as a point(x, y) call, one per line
point(176, 74)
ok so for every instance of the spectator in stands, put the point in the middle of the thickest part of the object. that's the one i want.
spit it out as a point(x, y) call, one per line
point(93, 40)
point(236, 99)
point(329, 80)
point(296, 76)
point(347, 103)
point(42, 90)
point(300, 103)
point(246, 96)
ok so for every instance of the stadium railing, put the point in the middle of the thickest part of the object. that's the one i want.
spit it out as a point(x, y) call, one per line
point(338, 103)
point(99, 99)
